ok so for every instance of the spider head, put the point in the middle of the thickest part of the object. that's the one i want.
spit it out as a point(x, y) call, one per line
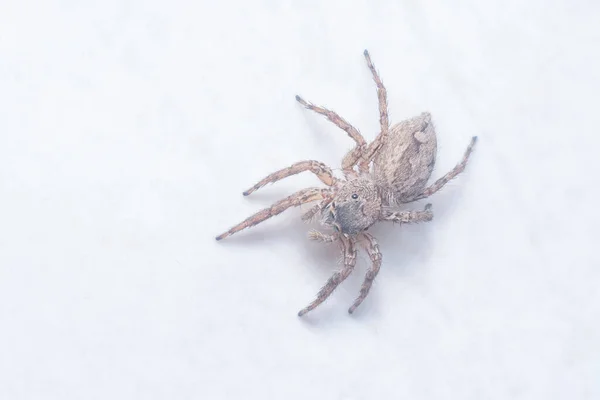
point(355, 207)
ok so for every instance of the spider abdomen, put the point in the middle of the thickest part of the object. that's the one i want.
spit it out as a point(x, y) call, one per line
point(405, 162)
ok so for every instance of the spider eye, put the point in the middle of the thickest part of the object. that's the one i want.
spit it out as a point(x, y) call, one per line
point(355, 196)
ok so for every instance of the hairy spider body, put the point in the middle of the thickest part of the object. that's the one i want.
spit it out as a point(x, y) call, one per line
point(380, 176)
point(404, 164)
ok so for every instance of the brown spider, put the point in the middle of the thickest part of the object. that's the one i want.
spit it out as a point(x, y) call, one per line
point(392, 170)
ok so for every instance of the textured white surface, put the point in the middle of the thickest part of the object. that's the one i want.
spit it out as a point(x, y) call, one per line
point(129, 129)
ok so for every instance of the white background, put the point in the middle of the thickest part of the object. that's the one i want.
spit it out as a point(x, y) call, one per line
point(129, 129)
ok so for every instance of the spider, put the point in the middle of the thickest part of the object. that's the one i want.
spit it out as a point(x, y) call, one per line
point(379, 177)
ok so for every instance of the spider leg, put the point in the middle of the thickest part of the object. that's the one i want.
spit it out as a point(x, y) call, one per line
point(460, 167)
point(384, 122)
point(317, 208)
point(425, 215)
point(336, 119)
point(296, 199)
point(337, 278)
point(361, 144)
point(322, 237)
point(310, 214)
point(350, 160)
point(322, 171)
point(372, 249)
point(381, 96)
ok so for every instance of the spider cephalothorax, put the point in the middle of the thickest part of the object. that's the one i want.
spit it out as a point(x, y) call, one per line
point(378, 178)
point(356, 206)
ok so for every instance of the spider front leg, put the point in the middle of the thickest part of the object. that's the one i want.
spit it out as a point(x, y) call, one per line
point(322, 171)
point(460, 167)
point(322, 237)
point(337, 278)
point(310, 214)
point(361, 144)
point(350, 160)
point(317, 208)
point(372, 249)
point(425, 215)
point(296, 199)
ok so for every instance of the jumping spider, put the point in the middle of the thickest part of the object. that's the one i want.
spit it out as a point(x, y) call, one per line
point(392, 170)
